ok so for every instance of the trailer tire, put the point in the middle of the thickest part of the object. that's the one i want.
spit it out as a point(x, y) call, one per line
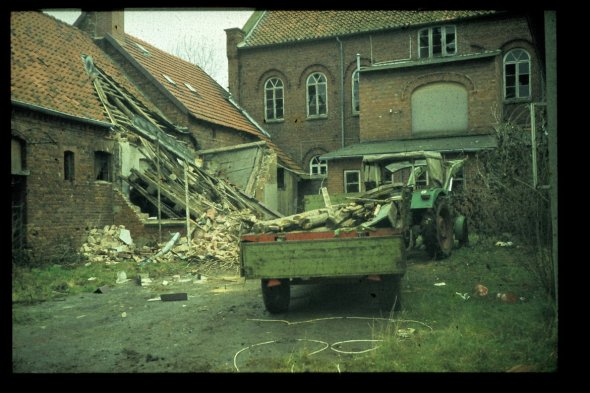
point(276, 298)
point(388, 293)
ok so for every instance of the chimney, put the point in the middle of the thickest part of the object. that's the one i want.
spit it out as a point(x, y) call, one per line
point(234, 36)
point(100, 23)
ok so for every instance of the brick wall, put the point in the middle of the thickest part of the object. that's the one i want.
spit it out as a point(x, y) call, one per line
point(336, 168)
point(59, 210)
point(293, 62)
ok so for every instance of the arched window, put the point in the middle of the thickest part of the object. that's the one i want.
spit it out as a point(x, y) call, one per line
point(273, 99)
point(517, 74)
point(317, 166)
point(355, 93)
point(440, 107)
point(317, 97)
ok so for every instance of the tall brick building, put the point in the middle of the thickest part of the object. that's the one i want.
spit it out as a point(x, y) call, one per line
point(332, 87)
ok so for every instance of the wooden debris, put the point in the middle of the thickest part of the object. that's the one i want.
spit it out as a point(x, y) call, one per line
point(169, 297)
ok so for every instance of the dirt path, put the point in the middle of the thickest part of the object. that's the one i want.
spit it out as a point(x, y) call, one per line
point(222, 327)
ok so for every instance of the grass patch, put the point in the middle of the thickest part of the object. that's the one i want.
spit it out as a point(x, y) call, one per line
point(474, 335)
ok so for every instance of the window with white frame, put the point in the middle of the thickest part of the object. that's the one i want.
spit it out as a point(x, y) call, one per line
point(352, 181)
point(317, 166)
point(317, 97)
point(437, 41)
point(273, 99)
point(355, 93)
point(458, 180)
point(517, 74)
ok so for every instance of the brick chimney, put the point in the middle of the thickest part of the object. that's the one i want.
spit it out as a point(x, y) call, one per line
point(234, 36)
point(100, 23)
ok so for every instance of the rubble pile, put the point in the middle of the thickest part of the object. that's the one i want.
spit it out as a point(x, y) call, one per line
point(215, 239)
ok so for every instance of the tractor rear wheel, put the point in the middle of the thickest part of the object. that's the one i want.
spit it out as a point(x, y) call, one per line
point(438, 231)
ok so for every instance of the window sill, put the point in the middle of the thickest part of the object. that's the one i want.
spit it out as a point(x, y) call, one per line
point(274, 121)
point(317, 117)
point(517, 100)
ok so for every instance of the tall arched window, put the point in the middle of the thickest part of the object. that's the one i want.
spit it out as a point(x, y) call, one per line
point(317, 97)
point(355, 93)
point(517, 74)
point(273, 99)
point(317, 166)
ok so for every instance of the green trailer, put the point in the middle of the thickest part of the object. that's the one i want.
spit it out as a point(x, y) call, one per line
point(280, 260)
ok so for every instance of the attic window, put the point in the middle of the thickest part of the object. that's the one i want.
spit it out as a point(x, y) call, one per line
point(141, 48)
point(188, 85)
point(169, 79)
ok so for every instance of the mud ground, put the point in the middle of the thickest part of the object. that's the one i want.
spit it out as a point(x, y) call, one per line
point(222, 327)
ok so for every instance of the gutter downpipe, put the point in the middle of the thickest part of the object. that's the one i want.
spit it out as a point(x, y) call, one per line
point(341, 90)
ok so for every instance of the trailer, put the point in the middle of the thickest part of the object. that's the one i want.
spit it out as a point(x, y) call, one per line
point(280, 260)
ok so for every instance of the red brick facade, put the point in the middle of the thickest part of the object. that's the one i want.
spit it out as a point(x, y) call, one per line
point(385, 95)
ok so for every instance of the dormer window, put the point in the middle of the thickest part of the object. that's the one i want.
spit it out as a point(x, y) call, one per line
point(142, 49)
point(169, 79)
point(188, 86)
point(437, 41)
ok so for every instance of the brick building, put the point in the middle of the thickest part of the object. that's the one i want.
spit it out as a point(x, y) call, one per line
point(70, 153)
point(332, 87)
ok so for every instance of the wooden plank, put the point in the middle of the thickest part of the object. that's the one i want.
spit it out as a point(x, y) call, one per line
point(169, 297)
point(323, 258)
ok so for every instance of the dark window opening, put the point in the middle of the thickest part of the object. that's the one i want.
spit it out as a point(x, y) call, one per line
point(68, 165)
point(281, 178)
point(102, 166)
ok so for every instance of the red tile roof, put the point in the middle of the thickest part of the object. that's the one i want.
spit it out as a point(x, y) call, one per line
point(275, 27)
point(208, 103)
point(47, 70)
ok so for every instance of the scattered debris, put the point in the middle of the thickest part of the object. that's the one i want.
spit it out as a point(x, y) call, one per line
point(463, 296)
point(503, 244)
point(405, 333)
point(102, 289)
point(143, 279)
point(440, 284)
point(91, 278)
point(507, 297)
point(121, 277)
point(173, 297)
point(480, 290)
point(124, 314)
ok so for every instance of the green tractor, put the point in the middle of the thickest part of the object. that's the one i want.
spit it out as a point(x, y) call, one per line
point(429, 214)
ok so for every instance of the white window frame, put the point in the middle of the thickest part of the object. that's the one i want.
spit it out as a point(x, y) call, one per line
point(355, 97)
point(318, 84)
point(273, 90)
point(316, 165)
point(443, 41)
point(517, 74)
point(347, 184)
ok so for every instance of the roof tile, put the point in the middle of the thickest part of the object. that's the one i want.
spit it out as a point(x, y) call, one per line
point(276, 27)
point(47, 70)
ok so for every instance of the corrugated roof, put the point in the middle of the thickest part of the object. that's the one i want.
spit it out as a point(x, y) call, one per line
point(47, 70)
point(449, 144)
point(282, 26)
point(207, 100)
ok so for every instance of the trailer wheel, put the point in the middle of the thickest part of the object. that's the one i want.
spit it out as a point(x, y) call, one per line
point(388, 292)
point(276, 298)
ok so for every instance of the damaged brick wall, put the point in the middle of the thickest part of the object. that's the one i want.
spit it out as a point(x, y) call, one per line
point(58, 211)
